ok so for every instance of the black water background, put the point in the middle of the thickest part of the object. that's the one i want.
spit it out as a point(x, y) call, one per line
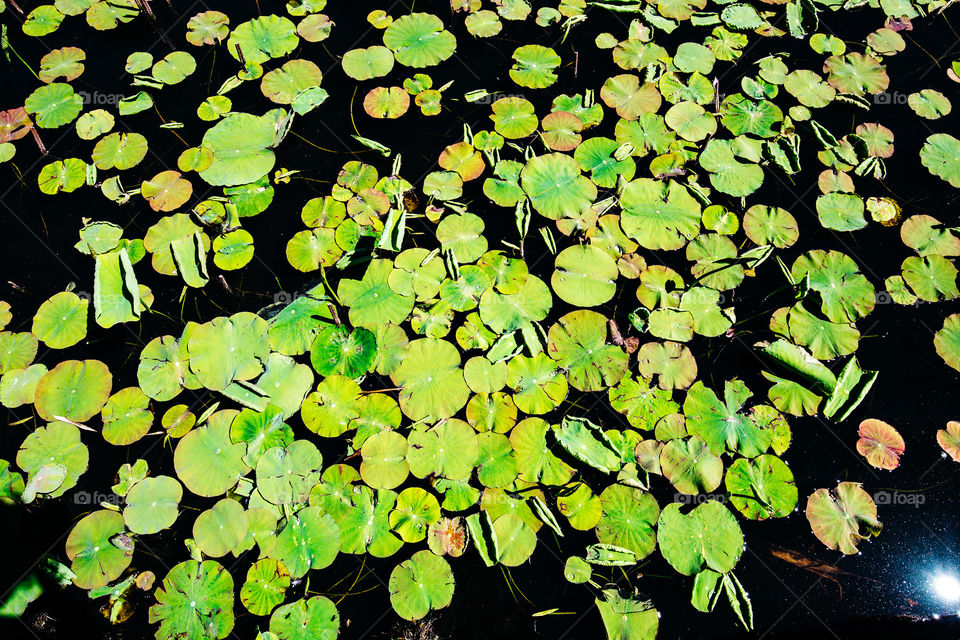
point(915, 391)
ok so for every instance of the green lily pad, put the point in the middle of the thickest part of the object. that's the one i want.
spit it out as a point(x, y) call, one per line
point(690, 466)
point(207, 462)
point(628, 519)
point(53, 105)
point(555, 186)
point(431, 379)
point(761, 488)
point(421, 584)
point(61, 321)
point(126, 416)
point(585, 276)
point(152, 505)
point(707, 537)
point(419, 40)
point(227, 349)
point(364, 64)
point(265, 586)
point(263, 38)
point(534, 66)
point(384, 463)
point(313, 619)
point(73, 390)
point(415, 510)
point(285, 475)
point(449, 449)
point(371, 300)
point(218, 530)
point(241, 146)
point(722, 425)
point(95, 559)
point(337, 350)
point(195, 599)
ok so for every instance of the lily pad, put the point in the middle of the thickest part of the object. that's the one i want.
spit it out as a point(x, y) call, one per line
point(421, 584)
point(844, 517)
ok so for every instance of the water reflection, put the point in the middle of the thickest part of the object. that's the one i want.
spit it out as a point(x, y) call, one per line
point(946, 587)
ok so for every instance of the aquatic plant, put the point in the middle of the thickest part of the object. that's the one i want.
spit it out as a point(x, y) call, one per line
point(462, 325)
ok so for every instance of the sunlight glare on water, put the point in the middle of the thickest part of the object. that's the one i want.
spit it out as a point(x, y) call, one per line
point(946, 587)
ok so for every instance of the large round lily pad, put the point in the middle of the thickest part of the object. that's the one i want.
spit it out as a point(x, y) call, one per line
point(73, 390)
point(421, 584)
point(95, 559)
point(194, 601)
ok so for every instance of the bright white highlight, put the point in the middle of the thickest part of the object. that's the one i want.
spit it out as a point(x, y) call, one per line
point(946, 587)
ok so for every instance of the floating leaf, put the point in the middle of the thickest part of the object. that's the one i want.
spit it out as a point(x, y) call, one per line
point(880, 444)
point(195, 599)
point(842, 518)
point(421, 584)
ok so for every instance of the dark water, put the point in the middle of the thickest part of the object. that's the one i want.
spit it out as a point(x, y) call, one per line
point(885, 591)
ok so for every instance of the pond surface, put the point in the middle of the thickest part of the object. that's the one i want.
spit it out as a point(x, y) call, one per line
point(905, 581)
